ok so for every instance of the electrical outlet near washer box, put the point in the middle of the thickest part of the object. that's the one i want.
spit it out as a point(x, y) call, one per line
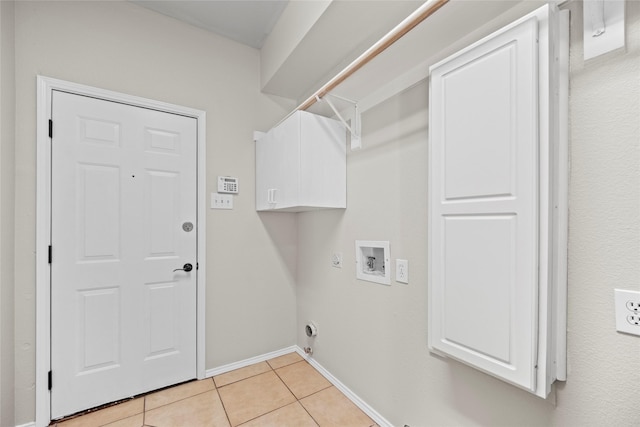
point(402, 271)
point(627, 311)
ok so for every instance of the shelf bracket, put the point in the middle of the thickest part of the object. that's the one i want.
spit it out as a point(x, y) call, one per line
point(356, 128)
point(604, 29)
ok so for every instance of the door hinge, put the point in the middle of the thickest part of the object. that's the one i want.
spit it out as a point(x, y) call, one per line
point(50, 254)
point(49, 380)
point(50, 128)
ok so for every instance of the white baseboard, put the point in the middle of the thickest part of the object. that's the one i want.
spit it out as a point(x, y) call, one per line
point(31, 424)
point(243, 363)
point(372, 413)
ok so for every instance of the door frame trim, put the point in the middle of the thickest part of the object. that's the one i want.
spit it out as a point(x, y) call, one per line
point(45, 88)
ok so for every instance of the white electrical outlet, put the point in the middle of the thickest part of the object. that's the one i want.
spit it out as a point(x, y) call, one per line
point(627, 311)
point(634, 306)
point(402, 271)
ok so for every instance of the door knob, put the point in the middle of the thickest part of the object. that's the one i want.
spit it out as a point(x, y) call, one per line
point(187, 267)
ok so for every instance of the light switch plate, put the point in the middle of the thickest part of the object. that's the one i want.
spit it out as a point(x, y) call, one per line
point(336, 260)
point(221, 201)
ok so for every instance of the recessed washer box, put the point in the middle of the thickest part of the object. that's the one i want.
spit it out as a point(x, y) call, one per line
point(372, 261)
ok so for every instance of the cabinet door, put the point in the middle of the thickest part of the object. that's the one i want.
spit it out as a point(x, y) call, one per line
point(483, 210)
point(277, 165)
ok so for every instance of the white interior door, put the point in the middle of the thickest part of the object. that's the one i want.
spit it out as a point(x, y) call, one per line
point(123, 322)
point(483, 201)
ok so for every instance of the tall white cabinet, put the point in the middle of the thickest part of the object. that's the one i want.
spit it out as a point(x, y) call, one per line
point(497, 203)
point(301, 165)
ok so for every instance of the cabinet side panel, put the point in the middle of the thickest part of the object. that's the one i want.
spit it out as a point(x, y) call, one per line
point(322, 162)
point(263, 167)
point(287, 140)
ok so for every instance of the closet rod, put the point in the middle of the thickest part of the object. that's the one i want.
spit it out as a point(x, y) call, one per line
point(419, 15)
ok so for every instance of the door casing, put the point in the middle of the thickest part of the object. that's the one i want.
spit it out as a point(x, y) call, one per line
point(45, 88)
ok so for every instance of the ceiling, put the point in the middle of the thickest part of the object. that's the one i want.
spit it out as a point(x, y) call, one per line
point(304, 43)
point(312, 40)
point(246, 21)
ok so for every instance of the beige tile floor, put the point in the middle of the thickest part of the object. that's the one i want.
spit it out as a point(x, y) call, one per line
point(281, 392)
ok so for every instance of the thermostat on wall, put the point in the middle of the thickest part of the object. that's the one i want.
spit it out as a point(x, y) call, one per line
point(227, 184)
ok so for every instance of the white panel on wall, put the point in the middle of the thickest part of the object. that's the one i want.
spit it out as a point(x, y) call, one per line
point(487, 205)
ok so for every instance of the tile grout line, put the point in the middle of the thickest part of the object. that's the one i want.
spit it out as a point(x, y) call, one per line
point(291, 391)
point(280, 407)
point(226, 414)
point(286, 386)
point(266, 413)
point(217, 389)
point(273, 410)
point(144, 419)
point(284, 366)
point(318, 391)
point(308, 413)
point(179, 400)
point(237, 381)
point(255, 375)
point(315, 392)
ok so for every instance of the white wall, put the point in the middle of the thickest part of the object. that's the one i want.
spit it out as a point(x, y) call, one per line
point(7, 136)
point(120, 46)
point(374, 338)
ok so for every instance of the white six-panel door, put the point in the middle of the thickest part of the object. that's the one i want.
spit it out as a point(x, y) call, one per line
point(123, 322)
point(483, 219)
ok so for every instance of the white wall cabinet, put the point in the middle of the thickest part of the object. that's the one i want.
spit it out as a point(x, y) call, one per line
point(497, 211)
point(301, 165)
